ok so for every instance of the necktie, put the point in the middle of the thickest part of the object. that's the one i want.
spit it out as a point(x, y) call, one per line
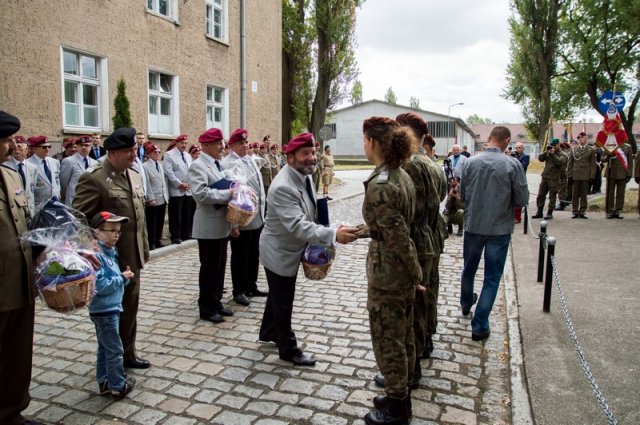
point(21, 171)
point(218, 165)
point(86, 163)
point(310, 191)
point(96, 152)
point(157, 167)
point(141, 153)
point(47, 171)
point(183, 158)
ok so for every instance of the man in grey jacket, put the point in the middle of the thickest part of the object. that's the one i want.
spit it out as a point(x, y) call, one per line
point(289, 227)
point(157, 195)
point(73, 166)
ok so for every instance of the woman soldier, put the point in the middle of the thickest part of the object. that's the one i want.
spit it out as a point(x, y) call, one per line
point(393, 270)
point(326, 171)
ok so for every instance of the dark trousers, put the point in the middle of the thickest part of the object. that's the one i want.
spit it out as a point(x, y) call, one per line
point(16, 350)
point(155, 223)
point(180, 217)
point(129, 316)
point(615, 194)
point(597, 182)
point(579, 196)
point(213, 261)
point(245, 260)
point(276, 321)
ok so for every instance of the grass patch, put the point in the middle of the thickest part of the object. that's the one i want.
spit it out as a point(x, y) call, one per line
point(535, 166)
point(343, 167)
point(630, 202)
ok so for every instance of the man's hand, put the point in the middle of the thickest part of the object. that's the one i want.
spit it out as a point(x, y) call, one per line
point(235, 232)
point(152, 203)
point(184, 186)
point(91, 258)
point(346, 234)
point(128, 274)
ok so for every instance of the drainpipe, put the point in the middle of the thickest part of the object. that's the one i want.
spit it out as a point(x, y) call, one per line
point(243, 68)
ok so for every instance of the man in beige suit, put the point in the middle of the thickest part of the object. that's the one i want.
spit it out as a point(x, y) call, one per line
point(581, 169)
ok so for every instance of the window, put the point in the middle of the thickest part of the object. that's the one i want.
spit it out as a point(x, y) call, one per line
point(163, 7)
point(163, 103)
point(216, 19)
point(442, 129)
point(84, 81)
point(216, 107)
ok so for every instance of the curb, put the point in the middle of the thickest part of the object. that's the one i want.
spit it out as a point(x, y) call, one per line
point(170, 249)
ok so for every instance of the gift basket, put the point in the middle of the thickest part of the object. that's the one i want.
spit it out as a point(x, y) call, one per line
point(243, 206)
point(317, 260)
point(63, 278)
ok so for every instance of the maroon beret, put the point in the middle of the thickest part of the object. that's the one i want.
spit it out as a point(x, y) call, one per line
point(37, 141)
point(150, 148)
point(304, 140)
point(19, 139)
point(83, 140)
point(194, 148)
point(582, 134)
point(210, 136)
point(180, 138)
point(69, 141)
point(273, 147)
point(263, 146)
point(240, 135)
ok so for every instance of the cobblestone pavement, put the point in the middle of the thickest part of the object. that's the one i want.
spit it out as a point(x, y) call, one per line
point(221, 374)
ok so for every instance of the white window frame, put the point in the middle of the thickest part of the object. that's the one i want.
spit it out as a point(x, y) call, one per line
point(224, 105)
point(223, 7)
point(153, 7)
point(174, 96)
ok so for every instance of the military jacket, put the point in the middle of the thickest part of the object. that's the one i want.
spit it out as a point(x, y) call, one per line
point(582, 163)
point(615, 170)
point(554, 165)
point(388, 211)
point(265, 170)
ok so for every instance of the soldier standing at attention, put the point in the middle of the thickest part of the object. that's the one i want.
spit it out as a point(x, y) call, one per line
point(115, 187)
point(326, 165)
point(555, 161)
point(393, 269)
point(581, 170)
point(617, 177)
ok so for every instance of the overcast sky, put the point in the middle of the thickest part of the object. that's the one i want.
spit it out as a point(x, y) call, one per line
point(442, 52)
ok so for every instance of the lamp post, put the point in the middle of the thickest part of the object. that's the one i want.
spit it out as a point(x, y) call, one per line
point(449, 115)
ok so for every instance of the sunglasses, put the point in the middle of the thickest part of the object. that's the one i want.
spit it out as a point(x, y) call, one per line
point(45, 147)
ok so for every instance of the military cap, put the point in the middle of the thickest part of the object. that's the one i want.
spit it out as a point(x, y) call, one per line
point(273, 147)
point(263, 146)
point(150, 148)
point(554, 142)
point(210, 136)
point(83, 140)
point(9, 125)
point(304, 140)
point(34, 141)
point(107, 217)
point(122, 138)
point(582, 134)
point(180, 138)
point(69, 141)
point(239, 135)
point(194, 148)
point(20, 139)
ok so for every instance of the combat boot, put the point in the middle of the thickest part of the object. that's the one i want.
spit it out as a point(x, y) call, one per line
point(450, 228)
point(381, 401)
point(394, 412)
point(549, 215)
point(538, 214)
point(428, 348)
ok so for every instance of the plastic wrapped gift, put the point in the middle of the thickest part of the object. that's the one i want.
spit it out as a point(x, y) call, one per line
point(317, 260)
point(243, 205)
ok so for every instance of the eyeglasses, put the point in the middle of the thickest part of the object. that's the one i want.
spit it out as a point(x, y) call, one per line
point(45, 147)
point(113, 232)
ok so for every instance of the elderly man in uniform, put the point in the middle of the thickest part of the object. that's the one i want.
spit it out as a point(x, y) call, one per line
point(176, 168)
point(289, 227)
point(68, 149)
point(48, 182)
point(73, 166)
point(17, 161)
point(555, 161)
point(17, 307)
point(210, 225)
point(244, 248)
point(157, 196)
point(581, 169)
point(115, 187)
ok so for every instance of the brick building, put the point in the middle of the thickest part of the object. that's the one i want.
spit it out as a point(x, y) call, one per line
point(181, 61)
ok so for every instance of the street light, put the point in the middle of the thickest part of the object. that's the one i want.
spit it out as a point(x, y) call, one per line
point(449, 115)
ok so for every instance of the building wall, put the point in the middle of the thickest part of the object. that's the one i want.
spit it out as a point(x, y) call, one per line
point(133, 40)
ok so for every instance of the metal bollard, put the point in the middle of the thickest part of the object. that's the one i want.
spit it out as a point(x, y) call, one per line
point(526, 219)
point(543, 231)
point(548, 280)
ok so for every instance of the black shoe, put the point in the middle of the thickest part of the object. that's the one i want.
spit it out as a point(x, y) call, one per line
point(459, 231)
point(583, 216)
point(257, 293)
point(33, 423)
point(152, 247)
point(225, 312)
point(394, 412)
point(575, 216)
point(129, 383)
point(380, 401)
point(301, 360)
point(610, 216)
point(618, 216)
point(159, 245)
point(417, 375)
point(475, 300)
point(241, 299)
point(214, 318)
point(379, 380)
point(428, 348)
point(538, 215)
point(480, 337)
point(176, 241)
point(549, 215)
point(103, 389)
point(137, 363)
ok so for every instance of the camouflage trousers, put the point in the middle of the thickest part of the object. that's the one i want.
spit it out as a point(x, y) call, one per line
point(431, 295)
point(550, 187)
point(420, 307)
point(391, 325)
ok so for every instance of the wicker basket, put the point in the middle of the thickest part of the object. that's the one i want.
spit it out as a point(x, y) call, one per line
point(70, 296)
point(239, 216)
point(315, 271)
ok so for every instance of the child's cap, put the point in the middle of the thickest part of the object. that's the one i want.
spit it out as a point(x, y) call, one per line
point(107, 217)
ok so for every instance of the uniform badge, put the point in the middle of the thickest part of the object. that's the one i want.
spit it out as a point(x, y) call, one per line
point(383, 177)
point(109, 180)
point(18, 191)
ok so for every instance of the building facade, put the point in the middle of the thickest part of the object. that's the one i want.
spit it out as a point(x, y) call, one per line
point(345, 138)
point(181, 62)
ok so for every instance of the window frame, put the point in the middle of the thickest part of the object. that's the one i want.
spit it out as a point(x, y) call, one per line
point(102, 91)
point(172, 12)
point(212, 103)
point(224, 26)
point(174, 96)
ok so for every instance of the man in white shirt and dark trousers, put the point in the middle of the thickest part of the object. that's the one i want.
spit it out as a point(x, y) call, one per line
point(245, 251)
point(176, 169)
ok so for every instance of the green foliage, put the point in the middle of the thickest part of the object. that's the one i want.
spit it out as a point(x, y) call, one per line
point(414, 102)
point(122, 115)
point(477, 119)
point(390, 96)
point(356, 93)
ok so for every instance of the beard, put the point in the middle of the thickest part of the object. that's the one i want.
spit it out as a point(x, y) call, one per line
point(305, 168)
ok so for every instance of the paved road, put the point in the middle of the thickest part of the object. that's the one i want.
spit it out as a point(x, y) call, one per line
point(220, 374)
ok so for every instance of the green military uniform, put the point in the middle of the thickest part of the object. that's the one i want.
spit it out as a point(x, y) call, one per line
point(316, 174)
point(17, 300)
point(454, 212)
point(555, 164)
point(564, 189)
point(581, 167)
point(424, 238)
point(275, 164)
point(617, 177)
point(103, 188)
point(265, 170)
point(393, 270)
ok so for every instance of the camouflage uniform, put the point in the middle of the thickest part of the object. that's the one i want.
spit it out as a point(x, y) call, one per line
point(265, 170)
point(454, 211)
point(564, 191)
point(316, 174)
point(423, 236)
point(392, 272)
point(555, 163)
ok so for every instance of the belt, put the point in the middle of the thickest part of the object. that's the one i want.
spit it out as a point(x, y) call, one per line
point(376, 236)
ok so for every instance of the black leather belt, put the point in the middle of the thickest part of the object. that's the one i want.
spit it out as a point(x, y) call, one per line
point(376, 236)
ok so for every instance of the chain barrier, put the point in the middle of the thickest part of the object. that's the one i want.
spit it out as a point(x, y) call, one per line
point(583, 361)
point(533, 233)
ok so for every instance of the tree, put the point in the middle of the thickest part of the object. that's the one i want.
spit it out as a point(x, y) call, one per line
point(477, 119)
point(356, 93)
point(533, 50)
point(414, 102)
point(122, 115)
point(334, 22)
point(390, 96)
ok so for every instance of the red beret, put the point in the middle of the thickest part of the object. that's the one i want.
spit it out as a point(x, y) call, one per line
point(263, 146)
point(150, 148)
point(273, 147)
point(210, 136)
point(304, 140)
point(83, 140)
point(20, 139)
point(69, 141)
point(37, 141)
point(194, 148)
point(180, 138)
point(240, 135)
point(172, 144)
point(582, 134)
